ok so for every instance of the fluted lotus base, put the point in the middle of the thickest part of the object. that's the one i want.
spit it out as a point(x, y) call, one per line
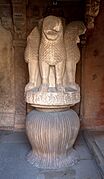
point(55, 162)
point(52, 135)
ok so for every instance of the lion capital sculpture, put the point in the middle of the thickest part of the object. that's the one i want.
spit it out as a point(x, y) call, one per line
point(52, 54)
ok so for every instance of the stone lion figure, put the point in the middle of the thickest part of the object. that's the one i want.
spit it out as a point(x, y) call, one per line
point(52, 51)
point(71, 38)
point(32, 58)
point(52, 54)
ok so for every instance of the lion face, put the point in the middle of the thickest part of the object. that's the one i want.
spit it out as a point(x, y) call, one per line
point(52, 27)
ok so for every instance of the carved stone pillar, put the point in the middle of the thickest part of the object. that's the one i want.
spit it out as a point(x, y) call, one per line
point(19, 43)
point(92, 10)
point(52, 127)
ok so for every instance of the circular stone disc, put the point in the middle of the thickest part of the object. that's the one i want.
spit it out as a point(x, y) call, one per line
point(53, 99)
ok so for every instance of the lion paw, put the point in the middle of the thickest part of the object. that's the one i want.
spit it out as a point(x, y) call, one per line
point(60, 88)
point(29, 86)
point(44, 88)
point(74, 86)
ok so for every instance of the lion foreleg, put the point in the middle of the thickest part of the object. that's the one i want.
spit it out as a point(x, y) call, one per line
point(60, 69)
point(44, 71)
point(33, 75)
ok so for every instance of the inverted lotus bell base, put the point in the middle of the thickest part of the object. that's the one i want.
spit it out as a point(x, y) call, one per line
point(52, 135)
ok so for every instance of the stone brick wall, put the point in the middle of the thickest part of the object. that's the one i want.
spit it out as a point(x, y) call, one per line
point(93, 75)
point(13, 69)
point(7, 91)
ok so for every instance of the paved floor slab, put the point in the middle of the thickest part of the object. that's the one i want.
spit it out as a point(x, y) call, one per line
point(95, 141)
point(13, 165)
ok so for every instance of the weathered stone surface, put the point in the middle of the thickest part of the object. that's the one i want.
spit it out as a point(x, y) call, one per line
point(19, 37)
point(19, 19)
point(93, 76)
point(95, 141)
point(92, 10)
point(52, 57)
point(52, 135)
point(7, 98)
point(13, 69)
point(71, 38)
point(20, 82)
point(53, 99)
point(19, 12)
point(13, 150)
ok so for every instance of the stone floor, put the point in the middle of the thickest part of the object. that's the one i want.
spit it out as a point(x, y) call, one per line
point(95, 142)
point(13, 165)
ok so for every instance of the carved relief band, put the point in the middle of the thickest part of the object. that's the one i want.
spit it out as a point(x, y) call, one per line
point(52, 127)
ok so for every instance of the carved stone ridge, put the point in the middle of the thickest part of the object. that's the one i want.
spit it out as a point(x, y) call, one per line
point(52, 99)
point(92, 10)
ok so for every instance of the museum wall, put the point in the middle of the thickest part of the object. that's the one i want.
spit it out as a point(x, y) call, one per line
point(13, 69)
point(92, 113)
point(7, 91)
